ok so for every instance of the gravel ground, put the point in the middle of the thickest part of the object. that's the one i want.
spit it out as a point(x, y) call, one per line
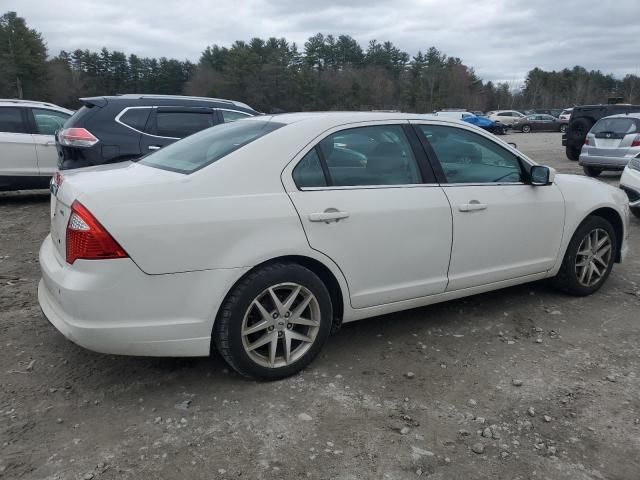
point(523, 383)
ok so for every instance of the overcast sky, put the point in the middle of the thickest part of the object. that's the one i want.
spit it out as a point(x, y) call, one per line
point(501, 39)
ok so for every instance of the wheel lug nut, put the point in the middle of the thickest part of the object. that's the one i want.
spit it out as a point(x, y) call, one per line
point(289, 326)
point(275, 315)
point(279, 334)
point(271, 328)
point(287, 315)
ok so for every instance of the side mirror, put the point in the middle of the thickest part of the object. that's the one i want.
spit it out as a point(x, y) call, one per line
point(513, 145)
point(541, 175)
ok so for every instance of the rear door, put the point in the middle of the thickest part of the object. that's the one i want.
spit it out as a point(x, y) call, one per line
point(612, 137)
point(366, 200)
point(18, 157)
point(169, 124)
point(46, 123)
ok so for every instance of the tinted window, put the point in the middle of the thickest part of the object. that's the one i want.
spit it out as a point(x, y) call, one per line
point(377, 155)
point(181, 124)
point(308, 173)
point(467, 157)
point(11, 120)
point(618, 125)
point(136, 118)
point(504, 114)
point(232, 116)
point(48, 122)
point(206, 147)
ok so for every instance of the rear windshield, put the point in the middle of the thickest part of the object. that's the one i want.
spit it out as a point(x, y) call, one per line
point(205, 147)
point(619, 125)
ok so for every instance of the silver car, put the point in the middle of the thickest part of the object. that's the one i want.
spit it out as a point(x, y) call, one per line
point(611, 143)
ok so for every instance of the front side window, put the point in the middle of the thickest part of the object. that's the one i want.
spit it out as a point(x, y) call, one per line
point(182, 124)
point(374, 155)
point(136, 118)
point(467, 157)
point(11, 120)
point(208, 146)
point(504, 114)
point(232, 115)
point(48, 122)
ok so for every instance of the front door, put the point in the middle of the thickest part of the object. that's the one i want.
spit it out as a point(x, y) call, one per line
point(504, 228)
point(366, 201)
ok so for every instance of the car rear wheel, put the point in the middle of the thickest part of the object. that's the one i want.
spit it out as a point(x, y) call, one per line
point(274, 322)
point(572, 153)
point(589, 258)
point(526, 128)
point(591, 171)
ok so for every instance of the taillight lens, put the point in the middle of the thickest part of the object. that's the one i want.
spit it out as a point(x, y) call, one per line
point(76, 137)
point(88, 239)
point(636, 141)
point(586, 141)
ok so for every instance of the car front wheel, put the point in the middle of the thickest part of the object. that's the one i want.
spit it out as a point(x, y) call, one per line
point(526, 129)
point(589, 258)
point(274, 322)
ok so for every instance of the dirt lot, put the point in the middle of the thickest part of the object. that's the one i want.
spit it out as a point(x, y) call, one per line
point(67, 413)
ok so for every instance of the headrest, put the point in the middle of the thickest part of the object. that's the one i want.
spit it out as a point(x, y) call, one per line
point(386, 158)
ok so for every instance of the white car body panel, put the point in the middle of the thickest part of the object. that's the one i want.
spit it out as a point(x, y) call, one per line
point(18, 154)
point(190, 238)
point(47, 154)
point(631, 179)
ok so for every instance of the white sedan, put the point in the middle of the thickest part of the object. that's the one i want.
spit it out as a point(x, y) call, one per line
point(630, 183)
point(259, 237)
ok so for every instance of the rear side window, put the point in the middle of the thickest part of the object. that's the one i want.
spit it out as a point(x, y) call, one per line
point(11, 120)
point(48, 122)
point(504, 114)
point(181, 124)
point(232, 116)
point(135, 118)
point(308, 173)
point(206, 147)
point(616, 126)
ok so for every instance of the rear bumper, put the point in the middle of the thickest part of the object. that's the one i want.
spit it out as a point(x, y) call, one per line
point(609, 163)
point(111, 306)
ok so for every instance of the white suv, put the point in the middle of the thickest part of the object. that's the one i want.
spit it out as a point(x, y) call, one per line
point(506, 117)
point(28, 156)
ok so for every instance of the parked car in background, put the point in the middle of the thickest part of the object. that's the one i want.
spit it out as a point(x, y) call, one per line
point(611, 143)
point(454, 114)
point(630, 183)
point(582, 119)
point(259, 237)
point(28, 156)
point(537, 123)
point(478, 113)
point(125, 127)
point(554, 112)
point(564, 117)
point(506, 117)
point(487, 124)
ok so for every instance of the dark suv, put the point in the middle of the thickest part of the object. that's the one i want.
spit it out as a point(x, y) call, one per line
point(125, 127)
point(581, 121)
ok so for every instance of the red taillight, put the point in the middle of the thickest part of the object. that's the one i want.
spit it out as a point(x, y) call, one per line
point(76, 137)
point(636, 141)
point(87, 239)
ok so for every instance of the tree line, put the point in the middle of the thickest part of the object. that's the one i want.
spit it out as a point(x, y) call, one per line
point(328, 73)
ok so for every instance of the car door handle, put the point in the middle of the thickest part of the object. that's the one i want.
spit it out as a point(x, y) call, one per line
point(472, 206)
point(329, 215)
point(154, 147)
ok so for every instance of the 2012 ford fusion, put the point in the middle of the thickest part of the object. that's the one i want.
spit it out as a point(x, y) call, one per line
point(256, 238)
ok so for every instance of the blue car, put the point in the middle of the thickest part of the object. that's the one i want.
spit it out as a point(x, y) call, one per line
point(487, 124)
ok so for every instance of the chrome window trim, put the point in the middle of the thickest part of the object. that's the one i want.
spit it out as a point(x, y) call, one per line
point(368, 187)
point(236, 111)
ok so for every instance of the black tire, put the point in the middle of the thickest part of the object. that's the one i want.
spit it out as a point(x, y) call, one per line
point(635, 211)
point(567, 280)
point(563, 128)
point(228, 325)
point(573, 153)
point(525, 129)
point(591, 171)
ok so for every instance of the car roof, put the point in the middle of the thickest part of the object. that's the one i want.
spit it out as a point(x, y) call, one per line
point(624, 115)
point(16, 102)
point(168, 98)
point(330, 119)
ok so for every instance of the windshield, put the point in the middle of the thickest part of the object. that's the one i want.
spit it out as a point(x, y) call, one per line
point(208, 146)
point(617, 125)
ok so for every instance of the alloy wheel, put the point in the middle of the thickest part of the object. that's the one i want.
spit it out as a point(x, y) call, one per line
point(593, 257)
point(280, 325)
